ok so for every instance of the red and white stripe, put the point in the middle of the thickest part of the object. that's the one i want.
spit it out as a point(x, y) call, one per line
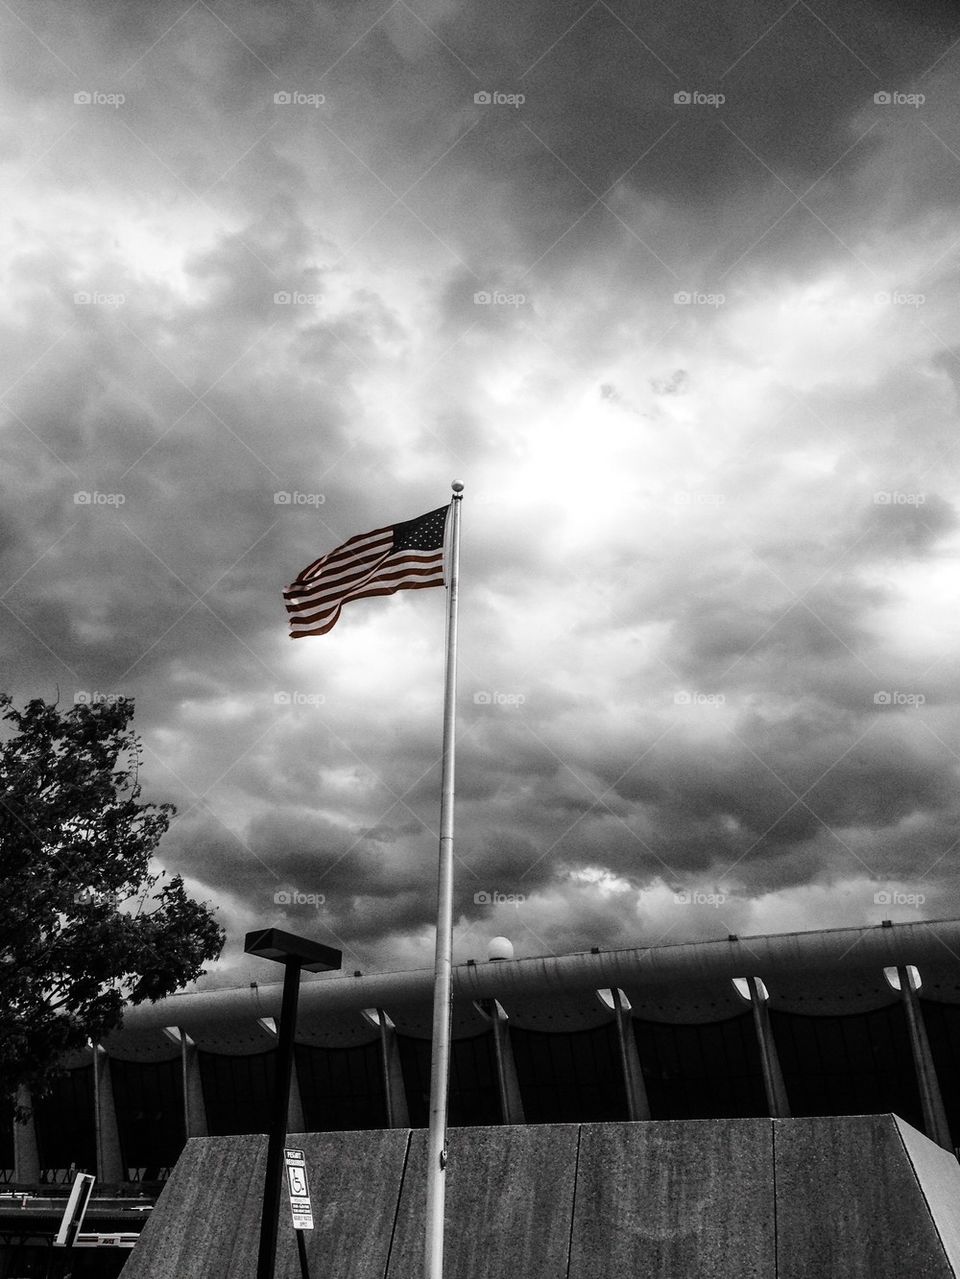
point(366, 565)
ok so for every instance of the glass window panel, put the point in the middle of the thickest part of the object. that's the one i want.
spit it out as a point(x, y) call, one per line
point(474, 1098)
point(702, 1071)
point(569, 1077)
point(855, 1064)
point(341, 1088)
point(65, 1126)
point(237, 1091)
point(148, 1098)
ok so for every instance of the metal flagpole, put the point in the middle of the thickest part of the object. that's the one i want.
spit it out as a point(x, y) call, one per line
point(442, 969)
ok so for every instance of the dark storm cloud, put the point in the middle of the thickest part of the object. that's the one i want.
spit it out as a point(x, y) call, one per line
point(600, 112)
point(166, 415)
point(681, 576)
point(599, 84)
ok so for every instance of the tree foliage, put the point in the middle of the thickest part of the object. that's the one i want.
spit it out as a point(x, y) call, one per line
point(86, 925)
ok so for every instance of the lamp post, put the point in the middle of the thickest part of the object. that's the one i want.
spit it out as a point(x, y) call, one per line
point(295, 953)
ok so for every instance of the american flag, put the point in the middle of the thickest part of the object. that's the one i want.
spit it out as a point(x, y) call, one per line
point(405, 556)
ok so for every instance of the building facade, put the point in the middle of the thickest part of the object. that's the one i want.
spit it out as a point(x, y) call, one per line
point(844, 1021)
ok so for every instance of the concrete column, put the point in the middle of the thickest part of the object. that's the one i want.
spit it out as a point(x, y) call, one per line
point(931, 1099)
point(778, 1103)
point(508, 1086)
point(511, 1103)
point(109, 1159)
point(638, 1104)
point(395, 1095)
point(194, 1109)
point(26, 1152)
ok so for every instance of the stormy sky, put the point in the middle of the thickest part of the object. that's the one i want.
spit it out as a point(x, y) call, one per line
point(672, 288)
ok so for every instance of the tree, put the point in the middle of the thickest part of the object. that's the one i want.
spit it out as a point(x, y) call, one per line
point(85, 924)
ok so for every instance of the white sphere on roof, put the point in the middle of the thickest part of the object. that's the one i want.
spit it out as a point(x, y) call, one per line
point(500, 948)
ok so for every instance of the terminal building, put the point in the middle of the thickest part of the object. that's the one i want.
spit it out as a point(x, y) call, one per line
point(844, 1021)
point(838, 1022)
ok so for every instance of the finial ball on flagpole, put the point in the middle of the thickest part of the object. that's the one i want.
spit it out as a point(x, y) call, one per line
point(457, 486)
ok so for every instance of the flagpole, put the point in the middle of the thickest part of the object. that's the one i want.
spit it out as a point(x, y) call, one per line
point(443, 966)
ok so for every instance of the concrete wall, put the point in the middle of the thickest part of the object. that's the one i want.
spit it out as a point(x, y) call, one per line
point(730, 1199)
